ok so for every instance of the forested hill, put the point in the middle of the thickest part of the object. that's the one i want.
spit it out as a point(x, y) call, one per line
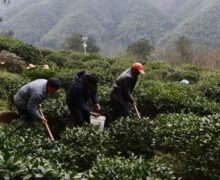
point(114, 24)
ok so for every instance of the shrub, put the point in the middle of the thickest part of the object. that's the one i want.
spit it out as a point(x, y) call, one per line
point(6, 42)
point(66, 77)
point(187, 71)
point(132, 136)
point(26, 51)
point(39, 73)
point(46, 52)
point(179, 75)
point(128, 169)
point(211, 89)
point(57, 113)
point(11, 83)
point(157, 70)
point(88, 142)
point(28, 145)
point(57, 57)
point(195, 140)
point(155, 98)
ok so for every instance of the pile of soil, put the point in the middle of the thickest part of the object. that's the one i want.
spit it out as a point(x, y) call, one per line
point(11, 62)
point(7, 117)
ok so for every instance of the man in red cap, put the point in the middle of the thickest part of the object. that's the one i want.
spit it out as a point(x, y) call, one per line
point(121, 94)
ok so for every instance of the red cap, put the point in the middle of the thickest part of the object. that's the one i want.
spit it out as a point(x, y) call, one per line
point(138, 67)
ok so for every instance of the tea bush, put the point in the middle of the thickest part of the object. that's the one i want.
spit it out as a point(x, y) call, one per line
point(88, 142)
point(6, 42)
point(27, 153)
point(155, 97)
point(132, 136)
point(27, 52)
point(55, 110)
point(128, 169)
point(10, 84)
point(40, 73)
point(195, 139)
point(57, 58)
point(157, 70)
point(211, 90)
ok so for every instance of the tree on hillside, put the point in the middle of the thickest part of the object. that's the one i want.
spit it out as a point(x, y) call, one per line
point(9, 33)
point(6, 1)
point(0, 19)
point(141, 48)
point(184, 49)
point(74, 42)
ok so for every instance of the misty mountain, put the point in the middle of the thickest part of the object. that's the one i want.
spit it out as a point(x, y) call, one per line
point(114, 24)
point(202, 27)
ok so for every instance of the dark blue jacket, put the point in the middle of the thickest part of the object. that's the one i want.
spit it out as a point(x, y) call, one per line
point(79, 94)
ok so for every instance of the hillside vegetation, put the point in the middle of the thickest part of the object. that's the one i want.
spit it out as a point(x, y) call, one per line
point(114, 24)
point(201, 28)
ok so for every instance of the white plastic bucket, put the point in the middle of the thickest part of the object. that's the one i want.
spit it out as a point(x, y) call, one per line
point(99, 121)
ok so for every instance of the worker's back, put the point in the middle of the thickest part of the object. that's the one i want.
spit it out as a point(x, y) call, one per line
point(37, 88)
point(125, 82)
point(78, 91)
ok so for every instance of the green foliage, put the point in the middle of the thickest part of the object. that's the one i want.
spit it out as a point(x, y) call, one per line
point(188, 143)
point(141, 48)
point(128, 169)
point(155, 98)
point(26, 51)
point(88, 142)
point(194, 139)
point(157, 70)
point(211, 89)
point(26, 152)
point(46, 52)
point(56, 112)
point(7, 42)
point(133, 136)
point(39, 73)
point(10, 84)
point(57, 58)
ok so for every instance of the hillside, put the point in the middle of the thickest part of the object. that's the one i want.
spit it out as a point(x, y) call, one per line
point(114, 24)
point(48, 23)
point(202, 28)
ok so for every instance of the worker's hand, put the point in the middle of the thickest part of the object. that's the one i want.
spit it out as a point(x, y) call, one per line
point(95, 114)
point(97, 107)
point(43, 120)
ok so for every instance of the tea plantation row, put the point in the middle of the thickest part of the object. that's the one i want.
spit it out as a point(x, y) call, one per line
point(178, 136)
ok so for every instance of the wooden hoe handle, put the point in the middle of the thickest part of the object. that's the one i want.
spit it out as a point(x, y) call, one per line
point(47, 126)
point(137, 112)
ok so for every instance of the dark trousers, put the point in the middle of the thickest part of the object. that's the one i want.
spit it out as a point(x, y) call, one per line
point(79, 117)
point(120, 108)
point(24, 114)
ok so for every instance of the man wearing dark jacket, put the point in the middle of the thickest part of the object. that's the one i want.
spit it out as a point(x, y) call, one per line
point(29, 97)
point(121, 94)
point(83, 88)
